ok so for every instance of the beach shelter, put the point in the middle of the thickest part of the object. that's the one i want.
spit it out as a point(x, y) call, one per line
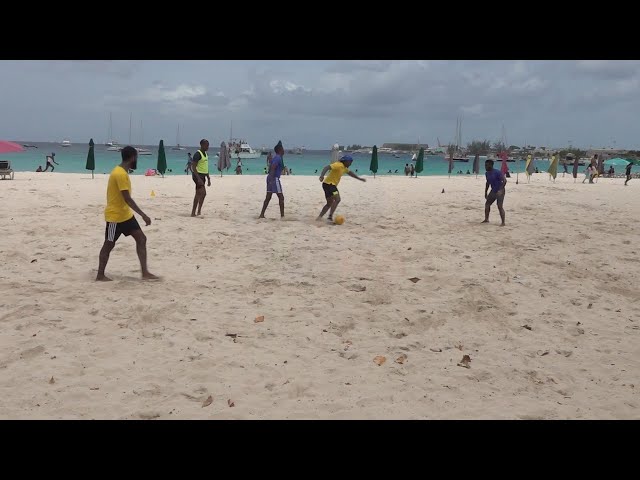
point(162, 159)
point(420, 162)
point(576, 162)
point(373, 166)
point(553, 167)
point(91, 158)
point(504, 168)
point(617, 162)
point(224, 162)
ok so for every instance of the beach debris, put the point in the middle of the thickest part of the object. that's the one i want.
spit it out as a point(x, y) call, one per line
point(443, 190)
point(543, 353)
point(590, 305)
point(436, 350)
point(347, 344)
point(230, 403)
point(208, 401)
point(52, 381)
point(528, 327)
point(357, 288)
point(401, 359)
point(460, 347)
point(34, 260)
point(94, 388)
point(466, 360)
point(578, 323)
point(259, 318)
point(415, 279)
point(379, 360)
point(409, 248)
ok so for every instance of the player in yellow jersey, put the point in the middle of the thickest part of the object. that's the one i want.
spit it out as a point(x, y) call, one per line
point(119, 215)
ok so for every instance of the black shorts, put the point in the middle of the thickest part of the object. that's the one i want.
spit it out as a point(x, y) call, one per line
point(113, 230)
point(329, 190)
point(195, 175)
point(493, 196)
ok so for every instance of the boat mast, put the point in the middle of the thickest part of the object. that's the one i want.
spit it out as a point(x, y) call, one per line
point(130, 119)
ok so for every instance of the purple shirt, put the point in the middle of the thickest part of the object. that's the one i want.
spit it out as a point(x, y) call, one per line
point(495, 178)
point(279, 164)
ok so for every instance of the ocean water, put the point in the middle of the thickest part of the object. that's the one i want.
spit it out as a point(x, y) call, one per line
point(73, 160)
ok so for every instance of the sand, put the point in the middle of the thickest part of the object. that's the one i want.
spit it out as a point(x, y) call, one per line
point(333, 299)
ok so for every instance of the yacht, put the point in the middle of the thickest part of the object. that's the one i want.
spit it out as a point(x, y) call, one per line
point(178, 146)
point(65, 143)
point(240, 148)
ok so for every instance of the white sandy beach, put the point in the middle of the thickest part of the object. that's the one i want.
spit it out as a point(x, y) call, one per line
point(333, 298)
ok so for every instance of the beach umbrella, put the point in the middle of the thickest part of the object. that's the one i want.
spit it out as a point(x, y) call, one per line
point(504, 168)
point(373, 166)
point(476, 164)
point(618, 162)
point(420, 161)
point(91, 159)
point(575, 169)
point(162, 159)
point(553, 167)
point(224, 162)
point(10, 147)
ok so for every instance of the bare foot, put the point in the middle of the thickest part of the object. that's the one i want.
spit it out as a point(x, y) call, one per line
point(261, 216)
point(103, 278)
point(318, 219)
point(193, 214)
point(149, 276)
point(502, 224)
point(199, 213)
point(485, 221)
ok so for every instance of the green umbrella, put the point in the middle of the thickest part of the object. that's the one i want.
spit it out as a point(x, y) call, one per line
point(635, 161)
point(617, 162)
point(553, 167)
point(420, 161)
point(374, 161)
point(91, 159)
point(162, 159)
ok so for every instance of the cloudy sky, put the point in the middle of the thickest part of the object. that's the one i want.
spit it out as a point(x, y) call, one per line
point(318, 103)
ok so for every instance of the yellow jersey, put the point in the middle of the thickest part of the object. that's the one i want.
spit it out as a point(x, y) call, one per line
point(335, 174)
point(117, 210)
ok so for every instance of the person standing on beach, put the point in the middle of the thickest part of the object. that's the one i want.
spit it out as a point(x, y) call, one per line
point(627, 172)
point(330, 184)
point(200, 173)
point(119, 215)
point(273, 180)
point(498, 182)
point(187, 169)
point(50, 161)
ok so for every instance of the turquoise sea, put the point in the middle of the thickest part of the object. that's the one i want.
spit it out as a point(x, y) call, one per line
point(73, 160)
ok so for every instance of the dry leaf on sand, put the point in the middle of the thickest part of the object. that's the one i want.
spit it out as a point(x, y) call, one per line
point(379, 360)
point(208, 401)
point(415, 279)
point(466, 360)
point(401, 359)
point(52, 381)
point(230, 403)
point(259, 319)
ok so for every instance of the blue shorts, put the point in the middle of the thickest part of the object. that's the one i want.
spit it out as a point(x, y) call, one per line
point(274, 185)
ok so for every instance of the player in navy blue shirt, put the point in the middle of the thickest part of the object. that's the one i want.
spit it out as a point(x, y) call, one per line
point(497, 181)
point(273, 180)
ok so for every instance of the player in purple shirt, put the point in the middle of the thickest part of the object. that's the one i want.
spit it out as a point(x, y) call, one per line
point(497, 181)
point(273, 180)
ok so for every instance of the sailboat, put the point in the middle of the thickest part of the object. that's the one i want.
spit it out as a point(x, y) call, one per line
point(142, 151)
point(178, 147)
point(111, 144)
point(458, 156)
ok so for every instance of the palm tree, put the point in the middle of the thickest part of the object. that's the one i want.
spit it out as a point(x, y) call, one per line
point(477, 148)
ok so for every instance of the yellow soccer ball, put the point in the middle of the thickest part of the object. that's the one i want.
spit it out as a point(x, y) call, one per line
point(339, 220)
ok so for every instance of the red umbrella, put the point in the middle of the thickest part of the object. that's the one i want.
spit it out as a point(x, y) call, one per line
point(10, 147)
point(504, 167)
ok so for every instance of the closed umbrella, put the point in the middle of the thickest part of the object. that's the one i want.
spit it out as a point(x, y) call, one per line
point(373, 166)
point(553, 167)
point(91, 158)
point(504, 168)
point(600, 164)
point(162, 159)
point(529, 167)
point(575, 169)
point(476, 164)
point(224, 162)
point(420, 162)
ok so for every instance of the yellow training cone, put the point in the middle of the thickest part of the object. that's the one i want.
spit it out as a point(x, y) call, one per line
point(153, 194)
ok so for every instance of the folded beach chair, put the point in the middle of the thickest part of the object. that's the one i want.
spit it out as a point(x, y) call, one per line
point(5, 169)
